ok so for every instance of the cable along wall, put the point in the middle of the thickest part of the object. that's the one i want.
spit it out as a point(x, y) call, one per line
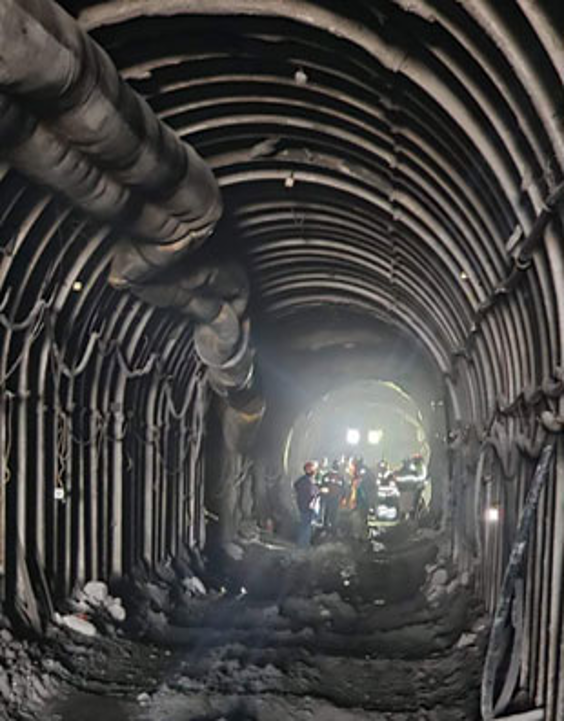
point(101, 460)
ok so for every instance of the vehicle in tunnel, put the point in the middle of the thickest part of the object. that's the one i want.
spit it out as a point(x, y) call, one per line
point(239, 235)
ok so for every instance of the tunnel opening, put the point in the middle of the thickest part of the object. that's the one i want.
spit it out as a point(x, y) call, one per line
point(375, 419)
point(332, 371)
point(376, 427)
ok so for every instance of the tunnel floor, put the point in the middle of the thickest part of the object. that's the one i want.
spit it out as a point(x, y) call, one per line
point(235, 684)
point(344, 631)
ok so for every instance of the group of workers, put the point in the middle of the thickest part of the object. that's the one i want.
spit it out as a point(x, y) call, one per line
point(349, 489)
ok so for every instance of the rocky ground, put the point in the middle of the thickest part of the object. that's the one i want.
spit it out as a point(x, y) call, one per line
point(383, 632)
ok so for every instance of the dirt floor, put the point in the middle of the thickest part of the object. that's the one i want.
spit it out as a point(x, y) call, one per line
point(337, 633)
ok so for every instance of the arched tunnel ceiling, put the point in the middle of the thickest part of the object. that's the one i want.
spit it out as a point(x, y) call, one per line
point(389, 157)
point(321, 431)
point(393, 160)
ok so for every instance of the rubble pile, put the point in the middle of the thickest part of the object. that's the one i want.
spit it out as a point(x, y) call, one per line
point(83, 648)
point(342, 631)
point(93, 609)
point(26, 679)
point(318, 645)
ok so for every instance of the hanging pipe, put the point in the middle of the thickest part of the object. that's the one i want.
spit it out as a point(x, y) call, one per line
point(40, 154)
point(68, 81)
point(215, 297)
point(69, 122)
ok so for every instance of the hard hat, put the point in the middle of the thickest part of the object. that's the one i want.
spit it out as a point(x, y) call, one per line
point(309, 467)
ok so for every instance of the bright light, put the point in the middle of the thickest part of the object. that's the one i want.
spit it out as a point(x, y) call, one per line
point(353, 436)
point(492, 514)
point(375, 436)
point(77, 286)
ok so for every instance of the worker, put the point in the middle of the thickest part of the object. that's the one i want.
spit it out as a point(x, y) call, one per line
point(410, 479)
point(306, 494)
point(367, 493)
point(357, 467)
point(333, 492)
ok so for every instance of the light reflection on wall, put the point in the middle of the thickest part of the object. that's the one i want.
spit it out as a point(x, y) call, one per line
point(385, 421)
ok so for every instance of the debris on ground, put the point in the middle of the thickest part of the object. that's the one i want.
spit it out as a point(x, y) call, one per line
point(339, 632)
point(76, 623)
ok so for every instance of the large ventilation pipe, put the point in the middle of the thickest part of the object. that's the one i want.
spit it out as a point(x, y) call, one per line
point(215, 297)
point(67, 81)
point(69, 122)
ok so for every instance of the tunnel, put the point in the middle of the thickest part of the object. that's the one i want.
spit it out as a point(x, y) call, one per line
point(242, 235)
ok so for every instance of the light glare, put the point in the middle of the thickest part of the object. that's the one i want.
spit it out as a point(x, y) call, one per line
point(353, 436)
point(375, 436)
point(492, 514)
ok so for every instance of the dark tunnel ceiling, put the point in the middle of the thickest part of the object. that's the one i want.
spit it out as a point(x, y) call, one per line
point(385, 157)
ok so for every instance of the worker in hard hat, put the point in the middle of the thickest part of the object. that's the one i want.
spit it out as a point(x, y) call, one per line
point(306, 494)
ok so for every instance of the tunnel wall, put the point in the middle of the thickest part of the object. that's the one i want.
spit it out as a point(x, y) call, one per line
point(102, 464)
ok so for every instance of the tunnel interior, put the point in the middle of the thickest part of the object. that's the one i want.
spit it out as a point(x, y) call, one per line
point(379, 420)
point(230, 233)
